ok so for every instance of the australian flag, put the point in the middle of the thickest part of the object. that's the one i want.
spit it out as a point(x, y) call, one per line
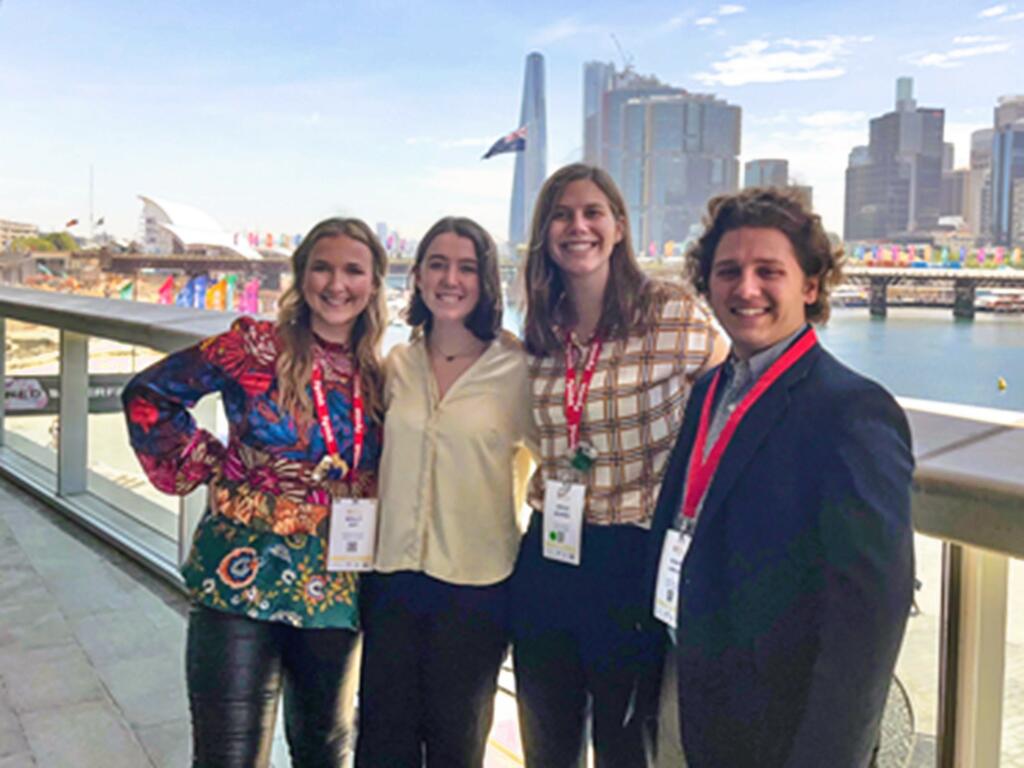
point(513, 142)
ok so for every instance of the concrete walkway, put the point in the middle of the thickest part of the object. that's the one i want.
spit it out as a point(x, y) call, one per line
point(90, 650)
point(92, 654)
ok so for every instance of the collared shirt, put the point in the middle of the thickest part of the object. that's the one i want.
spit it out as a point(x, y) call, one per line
point(454, 469)
point(738, 376)
point(632, 414)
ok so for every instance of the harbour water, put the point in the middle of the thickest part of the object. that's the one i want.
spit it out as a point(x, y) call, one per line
point(919, 353)
point(926, 354)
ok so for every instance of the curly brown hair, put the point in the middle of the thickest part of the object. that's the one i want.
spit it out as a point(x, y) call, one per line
point(295, 362)
point(631, 300)
point(778, 208)
point(485, 320)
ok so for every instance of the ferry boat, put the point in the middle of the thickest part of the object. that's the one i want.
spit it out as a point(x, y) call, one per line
point(999, 300)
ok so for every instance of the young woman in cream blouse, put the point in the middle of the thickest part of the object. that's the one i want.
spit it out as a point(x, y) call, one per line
point(458, 432)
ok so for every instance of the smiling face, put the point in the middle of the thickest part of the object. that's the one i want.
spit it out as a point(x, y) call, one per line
point(757, 289)
point(448, 278)
point(583, 232)
point(337, 285)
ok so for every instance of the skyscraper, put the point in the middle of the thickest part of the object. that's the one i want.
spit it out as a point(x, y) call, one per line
point(532, 163)
point(896, 192)
point(1007, 166)
point(978, 213)
point(766, 173)
point(669, 150)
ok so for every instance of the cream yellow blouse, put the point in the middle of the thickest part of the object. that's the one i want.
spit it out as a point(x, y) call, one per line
point(453, 471)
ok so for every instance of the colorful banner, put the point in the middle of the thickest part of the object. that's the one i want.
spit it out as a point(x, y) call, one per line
point(165, 293)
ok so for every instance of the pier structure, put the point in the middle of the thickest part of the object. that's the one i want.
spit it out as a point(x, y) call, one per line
point(964, 283)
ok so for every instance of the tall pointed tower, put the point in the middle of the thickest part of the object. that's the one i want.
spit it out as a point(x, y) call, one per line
point(532, 162)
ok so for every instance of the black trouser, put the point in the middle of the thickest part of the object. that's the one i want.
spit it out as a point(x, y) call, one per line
point(236, 668)
point(576, 642)
point(431, 656)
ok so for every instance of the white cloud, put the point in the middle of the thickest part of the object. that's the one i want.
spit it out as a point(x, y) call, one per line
point(706, 21)
point(953, 58)
point(993, 11)
point(559, 30)
point(761, 61)
point(1019, 16)
point(675, 22)
point(832, 118)
point(730, 10)
point(973, 39)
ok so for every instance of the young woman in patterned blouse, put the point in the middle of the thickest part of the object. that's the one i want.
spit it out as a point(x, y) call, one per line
point(613, 356)
point(267, 614)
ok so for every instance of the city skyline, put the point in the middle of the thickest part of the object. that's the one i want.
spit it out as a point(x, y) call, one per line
point(269, 120)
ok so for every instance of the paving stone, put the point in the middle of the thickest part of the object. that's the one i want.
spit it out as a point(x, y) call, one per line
point(23, 760)
point(149, 690)
point(169, 745)
point(51, 677)
point(86, 735)
point(112, 636)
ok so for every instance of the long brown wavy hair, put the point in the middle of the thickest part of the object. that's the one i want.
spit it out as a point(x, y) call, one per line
point(630, 298)
point(295, 361)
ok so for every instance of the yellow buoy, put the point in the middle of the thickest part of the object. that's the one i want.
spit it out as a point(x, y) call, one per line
point(1001, 383)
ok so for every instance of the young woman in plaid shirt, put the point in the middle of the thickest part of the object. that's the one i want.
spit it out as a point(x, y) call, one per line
point(627, 348)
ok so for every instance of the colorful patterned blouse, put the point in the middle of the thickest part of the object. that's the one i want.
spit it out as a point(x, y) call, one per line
point(260, 549)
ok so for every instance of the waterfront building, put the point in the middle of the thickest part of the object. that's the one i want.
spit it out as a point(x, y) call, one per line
point(668, 149)
point(978, 213)
point(955, 186)
point(12, 230)
point(766, 173)
point(167, 227)
point(948, 156)
point(1007, 165)
point(806, 193)
point(532, 162)
point(894, 191)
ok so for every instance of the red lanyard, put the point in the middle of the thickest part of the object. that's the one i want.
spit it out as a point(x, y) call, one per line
point(575, 398)
point(324, 418)
point(701, 471)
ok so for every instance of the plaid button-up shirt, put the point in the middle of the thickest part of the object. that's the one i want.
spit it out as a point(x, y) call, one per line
point(632, 414)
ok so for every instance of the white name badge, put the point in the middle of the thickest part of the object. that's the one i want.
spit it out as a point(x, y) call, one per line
point(352, 536)
point(670, 567)
point(563, 520)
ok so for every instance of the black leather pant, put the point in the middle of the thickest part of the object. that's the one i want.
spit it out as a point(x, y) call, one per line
point(236, 669)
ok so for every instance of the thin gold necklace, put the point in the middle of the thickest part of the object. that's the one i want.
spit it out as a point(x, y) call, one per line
point(453, 357)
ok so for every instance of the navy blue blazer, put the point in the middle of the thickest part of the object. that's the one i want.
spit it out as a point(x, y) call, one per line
point(796, 590)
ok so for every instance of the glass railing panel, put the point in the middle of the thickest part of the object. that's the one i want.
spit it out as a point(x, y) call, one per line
point(910, 723)
point(114, 471)
point(32, 367)
point(1013, 691)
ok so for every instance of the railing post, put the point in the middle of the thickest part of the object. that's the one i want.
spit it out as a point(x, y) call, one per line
point(72, 437)
point(974, 626)
point(3, 374)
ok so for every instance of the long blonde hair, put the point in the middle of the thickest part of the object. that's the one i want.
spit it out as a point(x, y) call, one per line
point(295, 361)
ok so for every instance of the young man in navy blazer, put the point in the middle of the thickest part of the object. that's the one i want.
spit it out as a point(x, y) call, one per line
point(794, 532)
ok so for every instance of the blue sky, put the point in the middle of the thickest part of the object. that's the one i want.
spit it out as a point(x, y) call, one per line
point(270, 116)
